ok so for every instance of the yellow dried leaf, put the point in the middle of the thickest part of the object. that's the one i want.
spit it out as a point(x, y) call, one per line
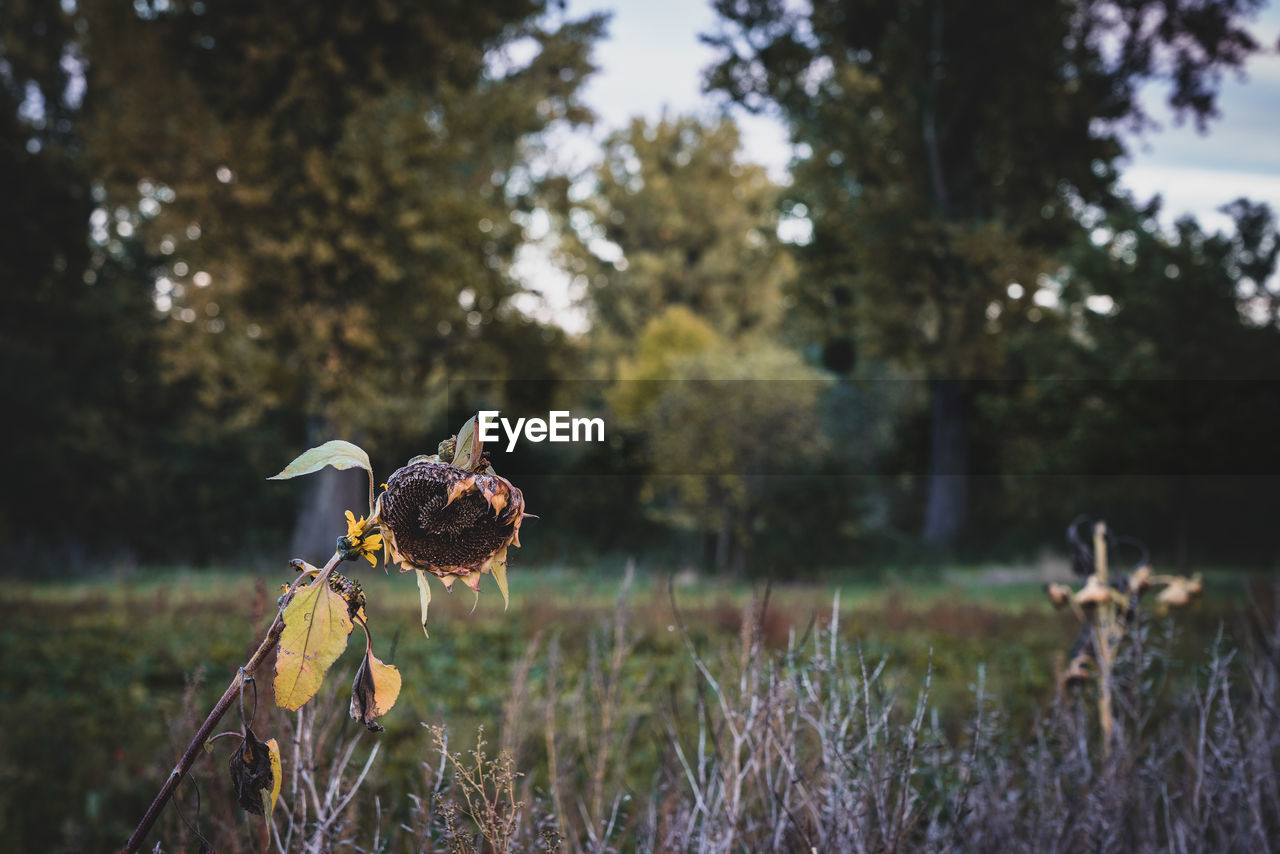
point(316, 625)
point(277, 775)
point(374, 691)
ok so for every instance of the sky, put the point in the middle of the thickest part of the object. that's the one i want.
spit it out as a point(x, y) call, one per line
point(653, 61)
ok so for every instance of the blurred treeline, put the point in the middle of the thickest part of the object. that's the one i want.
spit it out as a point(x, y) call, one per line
point(232, 230)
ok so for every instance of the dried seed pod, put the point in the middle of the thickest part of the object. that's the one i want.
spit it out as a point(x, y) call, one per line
point(451, 522)
point(1093, 593)
point(1195, 586)
point(1180, 591)
point(1141, 579)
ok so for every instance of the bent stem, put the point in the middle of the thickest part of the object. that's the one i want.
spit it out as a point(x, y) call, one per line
point(229, 697)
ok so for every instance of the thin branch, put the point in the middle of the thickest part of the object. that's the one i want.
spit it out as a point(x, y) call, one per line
point(230, 696)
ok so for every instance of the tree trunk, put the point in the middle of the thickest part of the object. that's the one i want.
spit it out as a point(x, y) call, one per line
point(326, 494)
point(947, 511)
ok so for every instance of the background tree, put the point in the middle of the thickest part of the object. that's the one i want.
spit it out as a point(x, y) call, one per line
point(675, 238)
point(339, 189)
point(945, 157)
point(674, 216)
point(78, 337)
point(727, 427)
point(1158, 405)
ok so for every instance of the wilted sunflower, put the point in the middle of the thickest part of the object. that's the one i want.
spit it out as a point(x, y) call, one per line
point(454, 519)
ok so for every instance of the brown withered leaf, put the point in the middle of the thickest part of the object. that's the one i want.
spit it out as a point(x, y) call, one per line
point(374, 691)
point(255, 773)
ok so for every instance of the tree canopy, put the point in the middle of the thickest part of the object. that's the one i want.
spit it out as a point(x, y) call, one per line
point(946, 158)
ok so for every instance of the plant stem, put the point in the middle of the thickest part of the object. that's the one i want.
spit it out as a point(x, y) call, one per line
point(1104, 629)
point(229, 697)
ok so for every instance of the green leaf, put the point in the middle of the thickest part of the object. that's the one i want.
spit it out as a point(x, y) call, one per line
point(337, 453)
point(316, 625)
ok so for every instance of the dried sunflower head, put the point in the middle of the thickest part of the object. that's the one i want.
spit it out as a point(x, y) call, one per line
point(452, 519)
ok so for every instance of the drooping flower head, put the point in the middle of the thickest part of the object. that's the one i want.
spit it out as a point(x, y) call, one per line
point(451, 515)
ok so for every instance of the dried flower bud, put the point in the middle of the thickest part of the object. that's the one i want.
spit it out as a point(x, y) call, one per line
point(1141, 579)
point(1059, 594)
point(1181, 591)
point(1093, 593)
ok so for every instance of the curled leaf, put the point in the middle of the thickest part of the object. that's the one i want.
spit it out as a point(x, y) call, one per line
point(336, 453)
point(467, 446)
point(255, 773)
point(374, 691)
point(317, 622)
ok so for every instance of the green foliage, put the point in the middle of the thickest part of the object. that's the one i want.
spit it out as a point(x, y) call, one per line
point(946, 156)
point(356, 174)
point(695, 225)
point(744, 410)
point(1153, 404)
point(236, 225)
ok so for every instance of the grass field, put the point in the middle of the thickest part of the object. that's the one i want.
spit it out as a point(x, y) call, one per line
point(105, 679)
